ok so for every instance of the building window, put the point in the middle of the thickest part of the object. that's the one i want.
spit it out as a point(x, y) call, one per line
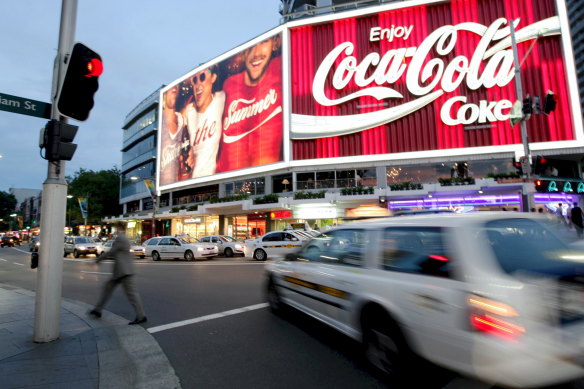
point(282, 184)
point(325, 180)
point(248, 187)
point(305, 181)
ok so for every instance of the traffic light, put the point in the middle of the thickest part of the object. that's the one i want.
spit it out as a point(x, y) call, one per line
point(527, 107)
point(518, 167)
point(549, 103)
point(540, 165)
point(75, 96)
point(56, 139)
point(536, 105)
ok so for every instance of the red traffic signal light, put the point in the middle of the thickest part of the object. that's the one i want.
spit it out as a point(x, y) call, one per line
point(75, 95)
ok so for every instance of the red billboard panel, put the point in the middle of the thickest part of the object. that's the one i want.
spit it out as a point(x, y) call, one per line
point(223, 116)
point(434, 76)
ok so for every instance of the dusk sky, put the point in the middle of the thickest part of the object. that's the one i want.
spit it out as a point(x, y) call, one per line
point(144, 44)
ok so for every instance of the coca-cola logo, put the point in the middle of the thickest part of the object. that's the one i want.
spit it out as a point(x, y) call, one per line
point(427, 75)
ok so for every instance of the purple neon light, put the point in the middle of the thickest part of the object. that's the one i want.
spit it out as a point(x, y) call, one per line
point(547, 197)
point(456, 201)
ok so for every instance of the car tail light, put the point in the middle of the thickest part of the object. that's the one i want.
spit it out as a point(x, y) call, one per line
point(494, 318)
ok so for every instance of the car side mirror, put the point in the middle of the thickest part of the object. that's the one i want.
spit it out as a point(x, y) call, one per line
point(290, 257)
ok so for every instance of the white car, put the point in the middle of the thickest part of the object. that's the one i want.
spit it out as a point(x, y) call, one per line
point(135, 249)
point(227, 245)
point(497, 295)
point(275, 244)
point(178, 247)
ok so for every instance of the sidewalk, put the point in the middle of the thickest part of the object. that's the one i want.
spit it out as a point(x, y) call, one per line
point(90, 353)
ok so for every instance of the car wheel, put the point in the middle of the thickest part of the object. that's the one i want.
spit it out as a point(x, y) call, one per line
point(75, 253)
point(155, 256)
point(385, 347)
point(189, 255)
point(259, 255)
point(274, 301)
point(228, 252)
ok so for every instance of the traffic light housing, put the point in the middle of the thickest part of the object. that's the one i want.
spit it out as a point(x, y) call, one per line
point(75, 95)
point(56, 139)
point(549, 104)
point(518, 167)
point(527, 106)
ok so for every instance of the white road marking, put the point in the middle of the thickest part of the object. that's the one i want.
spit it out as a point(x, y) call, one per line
point(2, 259)
point(19, 264)
point(169, 326)
point(95, 272)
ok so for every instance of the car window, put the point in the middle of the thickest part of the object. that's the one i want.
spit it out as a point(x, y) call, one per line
point(164, 242)
point(152, 242)
point(290, 237)
point(275, 237)
point(344, 247)
point(527, 245)
point(227, 239)
point(204, 239)
point(416, 250)
point(175, 242)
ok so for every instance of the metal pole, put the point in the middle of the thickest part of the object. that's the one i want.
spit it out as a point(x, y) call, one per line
point(519, 89)
point(528, 204)
point(53, 208)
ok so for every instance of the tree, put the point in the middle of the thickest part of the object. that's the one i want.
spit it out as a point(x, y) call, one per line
point(101, 189)
point(7, 207)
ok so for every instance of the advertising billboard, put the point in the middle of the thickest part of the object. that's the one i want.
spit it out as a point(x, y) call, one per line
point(224, 116)
point(430, 78)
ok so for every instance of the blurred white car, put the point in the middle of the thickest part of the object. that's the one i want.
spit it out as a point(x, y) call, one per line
point(227, 245)
point(178, 247)
point(275, 244)
point(104, 248)
point(496, 296)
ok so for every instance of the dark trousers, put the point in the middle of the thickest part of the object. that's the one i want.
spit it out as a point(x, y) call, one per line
point(131, 292)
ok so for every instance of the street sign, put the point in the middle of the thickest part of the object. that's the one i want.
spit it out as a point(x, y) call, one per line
point(25, 106)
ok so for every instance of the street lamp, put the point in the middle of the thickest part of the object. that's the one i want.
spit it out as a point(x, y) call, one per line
point(69, 197)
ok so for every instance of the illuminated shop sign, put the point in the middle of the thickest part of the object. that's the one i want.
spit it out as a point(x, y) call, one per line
point(191, 221)
point(418, 78)
point(281, 215)
point(316, 213)
point(560, 186)
point(459, 201)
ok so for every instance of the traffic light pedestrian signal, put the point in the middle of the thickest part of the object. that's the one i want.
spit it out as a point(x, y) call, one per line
point(549, 103)
point(75, 95)
point(56, 139)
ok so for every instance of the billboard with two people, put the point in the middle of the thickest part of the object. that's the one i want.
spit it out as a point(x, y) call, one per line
point(224, 116)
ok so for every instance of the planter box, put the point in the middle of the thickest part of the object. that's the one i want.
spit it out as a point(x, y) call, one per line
point(509, 180)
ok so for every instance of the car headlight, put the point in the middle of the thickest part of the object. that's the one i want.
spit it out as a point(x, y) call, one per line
point(238, 246)
point(82, 248)
point(200, 248)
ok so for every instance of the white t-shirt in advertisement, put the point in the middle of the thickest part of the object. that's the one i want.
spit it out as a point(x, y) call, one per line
point(171, 147)
point(205, 131)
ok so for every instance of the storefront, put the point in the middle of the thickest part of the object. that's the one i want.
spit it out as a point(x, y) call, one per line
point(195, 226)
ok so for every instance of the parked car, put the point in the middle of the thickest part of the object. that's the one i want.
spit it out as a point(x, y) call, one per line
point(274, 244)
point(80, 245)
point(495, 295)
point(105, 247)
point(179, 247)
point(227, 245)
point(9, 241)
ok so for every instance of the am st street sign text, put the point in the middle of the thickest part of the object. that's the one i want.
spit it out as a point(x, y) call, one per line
point(25, 106)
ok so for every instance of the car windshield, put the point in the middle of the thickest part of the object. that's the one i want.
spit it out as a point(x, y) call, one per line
point(188, 240)
point(227, 239)
point(84, 240)
point(529, 245)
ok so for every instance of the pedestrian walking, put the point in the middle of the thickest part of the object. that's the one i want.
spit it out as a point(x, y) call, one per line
point(576, 218)
point(123, 274)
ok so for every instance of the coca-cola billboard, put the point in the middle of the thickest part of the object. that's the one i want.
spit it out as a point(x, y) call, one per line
point(429, 79)
point(224, 116)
